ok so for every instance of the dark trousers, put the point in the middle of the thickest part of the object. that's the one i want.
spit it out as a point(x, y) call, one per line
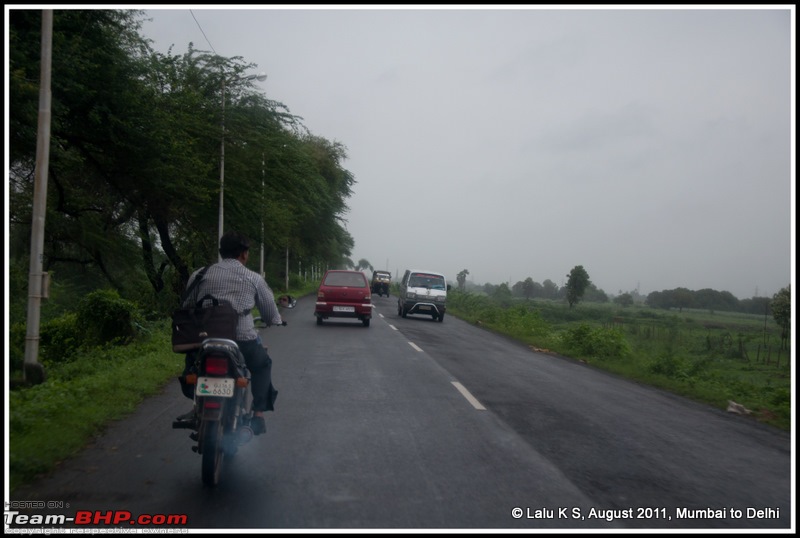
point(260, 365)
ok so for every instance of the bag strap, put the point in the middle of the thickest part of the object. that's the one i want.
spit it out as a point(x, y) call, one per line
point(195, 282)
point(207, 296)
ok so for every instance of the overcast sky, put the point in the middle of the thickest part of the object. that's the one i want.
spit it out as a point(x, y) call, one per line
point(654, 147)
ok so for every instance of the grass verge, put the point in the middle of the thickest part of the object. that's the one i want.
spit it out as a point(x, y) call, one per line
point(53, 421)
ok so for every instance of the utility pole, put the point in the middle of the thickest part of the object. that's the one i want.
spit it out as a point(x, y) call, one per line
point(261, 261)
point(33, 371)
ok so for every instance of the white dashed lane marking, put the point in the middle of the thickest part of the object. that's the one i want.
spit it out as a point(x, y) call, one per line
point(470, 398)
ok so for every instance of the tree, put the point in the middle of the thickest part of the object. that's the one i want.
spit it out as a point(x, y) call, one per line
point(502, 293)
point(101, 144)
point(782, 312)
point(594, 294)
point(461, 278)
point(578, 281)
point(550, 289)
point(681, 298)
point(528, 288)
point(626, 299)
point(362, 265)
point(134, 167)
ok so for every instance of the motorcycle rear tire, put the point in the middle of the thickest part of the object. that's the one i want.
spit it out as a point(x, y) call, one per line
point(213, 453)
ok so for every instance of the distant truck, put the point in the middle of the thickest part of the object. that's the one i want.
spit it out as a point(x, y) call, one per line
point(380, 282)
point(423, 292)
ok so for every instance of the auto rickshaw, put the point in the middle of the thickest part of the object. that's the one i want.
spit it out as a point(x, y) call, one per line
point(380, 282)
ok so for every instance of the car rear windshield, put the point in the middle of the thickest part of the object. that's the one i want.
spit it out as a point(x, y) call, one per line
point(353, 280)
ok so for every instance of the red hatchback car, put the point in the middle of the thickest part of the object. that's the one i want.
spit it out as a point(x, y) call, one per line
point(344, 294)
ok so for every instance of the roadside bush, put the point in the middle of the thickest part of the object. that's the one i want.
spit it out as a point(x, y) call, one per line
point(16, 346)
point(59, 338)
point(526, 323)
point(104, 317)
point(600, 343)
point(671, 366)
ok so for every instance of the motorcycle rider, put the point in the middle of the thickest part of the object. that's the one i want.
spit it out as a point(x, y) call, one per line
point(231, 281)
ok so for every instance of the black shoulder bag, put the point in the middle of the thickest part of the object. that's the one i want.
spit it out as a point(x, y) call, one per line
point(192, 325)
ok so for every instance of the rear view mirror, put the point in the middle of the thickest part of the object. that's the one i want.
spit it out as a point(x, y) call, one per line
point(287, 301)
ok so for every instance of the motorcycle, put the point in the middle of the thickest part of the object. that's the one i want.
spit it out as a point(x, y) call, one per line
point(223, 401)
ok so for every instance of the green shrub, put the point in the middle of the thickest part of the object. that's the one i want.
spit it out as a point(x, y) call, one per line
point(601, 342)
point(106, 318)
point(16, 346)
point(670, 366)
point(59, 338)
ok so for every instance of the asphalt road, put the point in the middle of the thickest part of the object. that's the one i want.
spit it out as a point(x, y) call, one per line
point(416, 424)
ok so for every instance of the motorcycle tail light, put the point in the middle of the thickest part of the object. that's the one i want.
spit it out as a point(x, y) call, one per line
point(211, 404)
point(216, 366)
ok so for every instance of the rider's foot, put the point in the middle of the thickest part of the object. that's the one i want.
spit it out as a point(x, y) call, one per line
point(258, 425)
point(187, 416)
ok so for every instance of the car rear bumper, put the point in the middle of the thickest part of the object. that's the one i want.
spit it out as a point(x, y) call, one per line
point(333, 310)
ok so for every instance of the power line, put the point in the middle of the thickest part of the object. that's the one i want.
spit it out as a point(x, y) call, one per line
point(202, 32)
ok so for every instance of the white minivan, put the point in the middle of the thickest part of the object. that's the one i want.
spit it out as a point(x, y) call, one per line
point(423, 292)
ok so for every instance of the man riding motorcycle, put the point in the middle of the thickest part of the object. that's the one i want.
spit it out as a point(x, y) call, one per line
point(230, 280)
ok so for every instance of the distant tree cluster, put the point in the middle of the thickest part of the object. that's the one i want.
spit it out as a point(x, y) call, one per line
point(529, 289)
point(579, 287)
point(705, 299)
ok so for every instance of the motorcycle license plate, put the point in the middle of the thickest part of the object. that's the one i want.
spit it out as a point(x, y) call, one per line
point(344, 309)
point(215, 386)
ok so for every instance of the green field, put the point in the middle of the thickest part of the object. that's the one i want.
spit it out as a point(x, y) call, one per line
point(711, 357)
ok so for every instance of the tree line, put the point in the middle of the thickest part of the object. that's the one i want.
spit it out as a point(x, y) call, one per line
point(579, 287)
point(136, 145)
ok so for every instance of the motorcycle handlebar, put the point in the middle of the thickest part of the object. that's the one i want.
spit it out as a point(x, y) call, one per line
point(260, 324)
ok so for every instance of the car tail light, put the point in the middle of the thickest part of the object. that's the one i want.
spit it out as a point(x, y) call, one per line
point(320, 294)
point(216, 365)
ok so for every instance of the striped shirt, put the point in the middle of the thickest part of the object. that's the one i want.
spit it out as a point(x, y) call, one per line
point(232, 282)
